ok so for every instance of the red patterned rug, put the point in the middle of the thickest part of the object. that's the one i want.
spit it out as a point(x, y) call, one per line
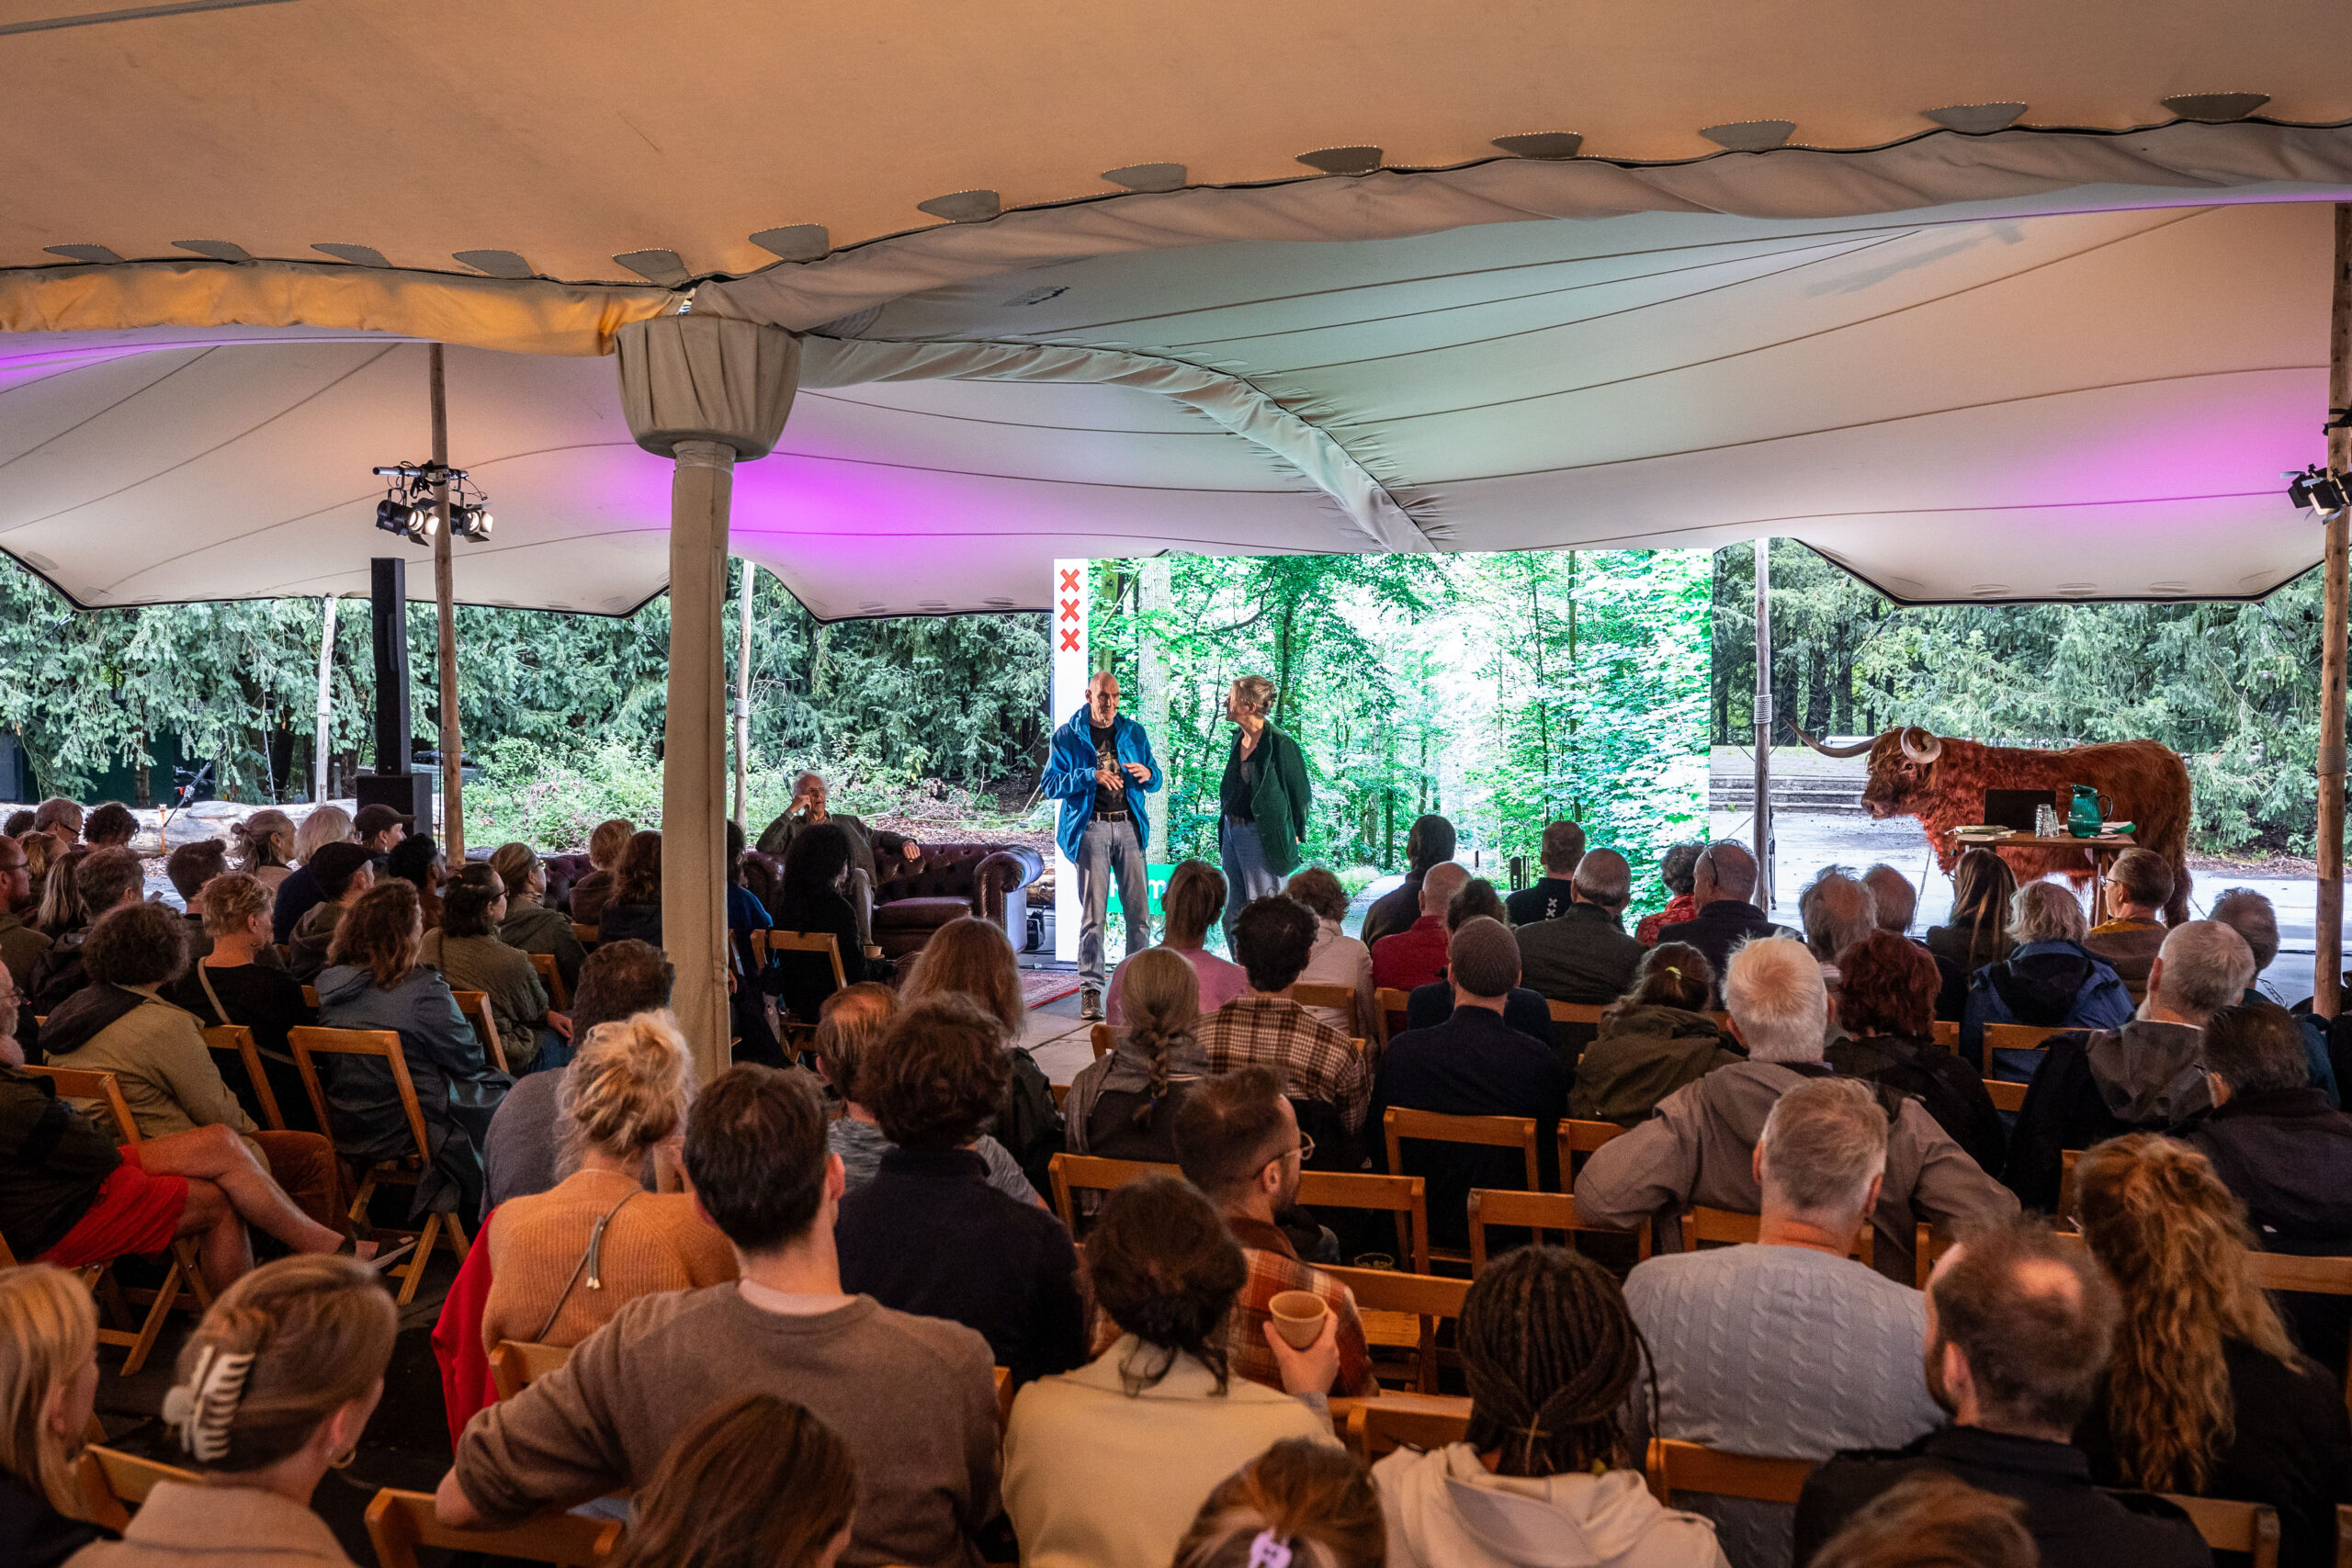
point(1039, 986)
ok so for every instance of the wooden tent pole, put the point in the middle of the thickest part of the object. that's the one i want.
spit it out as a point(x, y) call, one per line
point(743, 705)
point(1764, 723)
point(453, 813)
point(2327, 961)
point(326, 702)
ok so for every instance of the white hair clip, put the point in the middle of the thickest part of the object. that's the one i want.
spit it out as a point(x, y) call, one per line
point(1267, 1552)
point(201, 1408)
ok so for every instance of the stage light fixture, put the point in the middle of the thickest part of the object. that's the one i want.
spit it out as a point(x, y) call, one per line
point(409, 509)
point(469, 521)
point(2319, 491)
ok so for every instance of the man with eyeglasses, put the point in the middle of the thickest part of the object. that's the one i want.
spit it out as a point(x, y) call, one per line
point(2138, 886)
point(1722, 883)
point(1238, 1141)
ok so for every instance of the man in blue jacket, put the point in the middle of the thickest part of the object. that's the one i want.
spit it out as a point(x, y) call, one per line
point(1100, 768)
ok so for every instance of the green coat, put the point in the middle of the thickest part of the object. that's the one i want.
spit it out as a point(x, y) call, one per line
point(1278, 803)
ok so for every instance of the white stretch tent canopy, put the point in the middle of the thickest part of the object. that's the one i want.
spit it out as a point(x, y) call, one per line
point(2063, 360)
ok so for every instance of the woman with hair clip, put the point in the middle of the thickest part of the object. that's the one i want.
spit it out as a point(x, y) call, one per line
point(1106, 1467)
point(759, 1483)
point(1298, 1505)
point(1977, 930)
point(466, 948)
point(564, 1261)
point(1653, 1039)
point(275, 1385)
point(2206, 1394)
point(1263, 801)
point(265, 846)
point(1124, 1106)
point(1550, 1354)
point(49, 1375)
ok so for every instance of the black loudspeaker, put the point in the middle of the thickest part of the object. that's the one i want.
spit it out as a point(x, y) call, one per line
point(388, 602)
point(411, 795)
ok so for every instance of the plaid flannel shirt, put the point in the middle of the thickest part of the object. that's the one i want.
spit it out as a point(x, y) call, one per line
point(1273, 1269)
point(1317, 1062)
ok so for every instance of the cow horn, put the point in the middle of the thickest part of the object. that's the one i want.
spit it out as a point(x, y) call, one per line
point(1921, 754)
point(1854, 751)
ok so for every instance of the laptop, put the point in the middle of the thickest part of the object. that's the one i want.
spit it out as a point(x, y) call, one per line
point(2014, 808)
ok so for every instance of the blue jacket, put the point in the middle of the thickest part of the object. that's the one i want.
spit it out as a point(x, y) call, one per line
point(1070, 777)
point(2052, 983)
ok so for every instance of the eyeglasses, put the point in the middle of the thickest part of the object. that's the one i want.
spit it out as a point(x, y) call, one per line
point(1305, 1148)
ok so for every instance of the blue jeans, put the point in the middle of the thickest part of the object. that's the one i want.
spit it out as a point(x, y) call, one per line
point(1247, 875)
point(1105, 849)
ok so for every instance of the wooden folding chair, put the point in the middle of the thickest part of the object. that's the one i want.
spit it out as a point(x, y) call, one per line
point(2014, 1037)
point(1575, 1026)
point(1069, 1173)
point(1309, 994)
point(1702, 1226)
point(236, 1040)
point(1061, 1093)
point(585, 935)
point(2007, 1096)
point(1576, 1013)
point(310, 997)
point(2248, 1528)
point(1688, 1467)
point(475, 1005)
point(2315, 1276)
point(516, 1364)
point(113, 1483)
point(1926, 1245)
point(104, 1090)
point(1401, 1312)
point(407, 1170)
point(552, 978)
point(2066, 1159)
point(1391, 1005)
point(1406, 1197)
point(1104, 1038)
point(768, 943)
point(1577, 1141)
point(1947, 1035)
point(1540, 1213)
point(399, 1522)
point(1377, 1427)
point(1482, 1132)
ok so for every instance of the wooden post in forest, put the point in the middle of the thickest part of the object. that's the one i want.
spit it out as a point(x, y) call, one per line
point(452, 813)
point(326, 703)
point(1764, 723)
point(1153, 593)
point(2327, 963)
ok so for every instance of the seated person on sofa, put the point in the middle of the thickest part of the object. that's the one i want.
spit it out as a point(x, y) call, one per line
point(808, 809)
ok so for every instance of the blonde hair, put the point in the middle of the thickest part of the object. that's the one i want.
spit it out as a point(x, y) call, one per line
point(973, 956)
point(848, 1026)
point(52, 1332)
point(325, 825)
point(1160, 996)
point(233, 899)
point(1257, 693)
point(605, 844)
point(312, 1333)
point(514, 863)
point(627, 1089)
point(264, 839)
point(2174, 1240)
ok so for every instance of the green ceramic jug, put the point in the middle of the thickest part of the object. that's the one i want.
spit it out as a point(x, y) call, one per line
point(2088, 810)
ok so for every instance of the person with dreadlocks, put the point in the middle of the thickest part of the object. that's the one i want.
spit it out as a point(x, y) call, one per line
point(1542, 1476)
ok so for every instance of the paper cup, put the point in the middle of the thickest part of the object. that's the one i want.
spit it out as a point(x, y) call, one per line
point(1298, 1317)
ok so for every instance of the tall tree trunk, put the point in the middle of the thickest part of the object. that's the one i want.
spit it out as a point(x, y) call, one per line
point(1152, 594)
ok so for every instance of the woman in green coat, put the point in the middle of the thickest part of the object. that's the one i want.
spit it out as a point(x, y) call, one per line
point(1263, 802)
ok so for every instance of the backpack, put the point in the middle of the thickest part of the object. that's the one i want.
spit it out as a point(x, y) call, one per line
point(1030, 1125)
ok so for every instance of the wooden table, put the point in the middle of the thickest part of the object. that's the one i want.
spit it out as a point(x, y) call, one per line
point(2102, 850)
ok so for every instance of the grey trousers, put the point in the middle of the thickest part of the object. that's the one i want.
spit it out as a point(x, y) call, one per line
point(1247, 875)
point(1106, 850)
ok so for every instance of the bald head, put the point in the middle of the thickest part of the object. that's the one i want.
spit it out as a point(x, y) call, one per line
point(1440, 885)
point(1602, 877)
point(1724, 871)
point(1898, 901)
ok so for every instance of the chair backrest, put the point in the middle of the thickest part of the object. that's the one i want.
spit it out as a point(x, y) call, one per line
point(236, 1040)
point(1576, 1013)
point(2248, 1528)
point(399, 1522)
point(1538, 1211)
point(1310, 993)
point(381, 1044)
point(113, 1483)
point(2066, 1158)
point(1947, 1033)
point(1392, 1290)
point(1688, 1467)
point(1069, 1173)
point(1390, 1004)
point(1702, 1224)
point(585, 935)
point(475, 1005)
point(1104, 1038)
point(2004, 1095)
point(1425, 1421)
point(1578, 1139)
point(82, 1083)
point(1406, 1197)
point(310, 997)
point(2285, 1271)
point(2016, 1037)
point(1485, 1132)
point(552, 978)
point(515, 1364)
point(824, 943)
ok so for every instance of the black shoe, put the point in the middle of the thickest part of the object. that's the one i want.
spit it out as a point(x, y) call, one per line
point(1089, 1005)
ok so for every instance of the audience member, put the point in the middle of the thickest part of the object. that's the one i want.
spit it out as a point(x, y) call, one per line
point(1983, 888)
point(265, 846)
point(230, 985)
point(619, 981)
point(2250, 915)
point(633, 913)
point(2021, 1328)
point(870, 851)
point(1193, 902)
point(1300, 1504)
point(188, 868)
point(375, 981)
point(1677, 869)
point(20, 823)
point(1548, 898)
point(850, 1031)
point(564, 1261)
point(1894, 898)
point(1471, 1064)
point(1428, 1006)
point(1789, 1350)
point(1933, 1520)
point(21, 943)
point(323, 825)
point(813, 899)
point(972, 958)
point(2205, 1395)
point(756, 1482)
point(1238, 1141)
point(61, 819)
point(2049, 979)
point(1125, 1105)
point(275, 1386)
point(381, 830)
point(1415, 956)
point(747, 1008)
point(343, 875)
point(1265, 1028)
point(415, 859)
point(1339, 959)
point(1105, 1467)
point(1552, 1358)
point(111, 825)
point(2147, 1076)
point(1836, 911)
point(1429, 844)
point(928, 1234)
point(49, 1371)
point(2138, 884)
point(1723, 884)
point(1698, 1148)
point(1886, 1000)
point(529, 924)
point(913, 1398)
point(104, 880)
point(58, 898)
point(465, 947)
point(119, 1025)
point(592, 893)
point(1653, 1041)
point(1582, 955)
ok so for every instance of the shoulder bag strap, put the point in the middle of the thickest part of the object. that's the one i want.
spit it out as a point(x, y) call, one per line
point(589, 1264)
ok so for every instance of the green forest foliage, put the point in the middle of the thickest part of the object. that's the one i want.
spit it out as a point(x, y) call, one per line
point(2234, 688)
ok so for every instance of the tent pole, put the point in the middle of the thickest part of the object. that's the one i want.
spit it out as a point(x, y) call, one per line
point(453, 813)
point(694, 840)
point(1764, 723)
point(326, 702)
point(2327, 960)
point(744, 706)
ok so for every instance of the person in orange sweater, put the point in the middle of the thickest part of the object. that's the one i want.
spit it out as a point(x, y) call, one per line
point(564, 1261)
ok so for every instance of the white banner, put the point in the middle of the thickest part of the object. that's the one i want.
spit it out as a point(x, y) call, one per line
point(1070, 675)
